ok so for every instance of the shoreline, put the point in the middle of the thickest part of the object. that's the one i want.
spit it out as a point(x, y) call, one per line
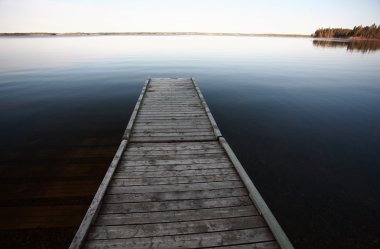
point(80, 34)
point(39, 34)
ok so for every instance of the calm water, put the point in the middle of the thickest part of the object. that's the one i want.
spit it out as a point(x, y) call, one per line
point(304, 119)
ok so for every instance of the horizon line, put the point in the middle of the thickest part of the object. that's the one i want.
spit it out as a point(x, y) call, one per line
point(148, 33)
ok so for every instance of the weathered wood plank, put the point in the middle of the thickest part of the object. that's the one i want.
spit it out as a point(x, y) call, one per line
point(171, 134)
point(174, 124)
point(193, 107)
point(166, 115)
point(176, 127)
point(139, 207)
point(127, 169)
point(176, 146)
point(173, 130)
point(202, 240)
point(157, 154)
point(182, 119)
point(172, 101)
point(173, 152)
point(174, 108)
point(119, 187)
point(180, 146)
point(177, 108)
point(175, 195)
point(173, 216)
point(174, 156)
point(171, 173)
point(185, 99)
point(171, 113)
point(174, 162)
point(176, 120)
point(178, 103)
point(159, 161)
point(155, 125)
point(168, 97)
point(172, 139)
point(169, 87)
point(170, 109)
point(175, 228)
point(175, 180)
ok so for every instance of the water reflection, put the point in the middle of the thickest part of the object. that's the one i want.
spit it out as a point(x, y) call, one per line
point(360, 46)
point(302, 120)
point(19, 54)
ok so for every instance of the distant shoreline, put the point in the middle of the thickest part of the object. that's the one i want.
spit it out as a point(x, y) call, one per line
point(73, 34)
point(148, 33)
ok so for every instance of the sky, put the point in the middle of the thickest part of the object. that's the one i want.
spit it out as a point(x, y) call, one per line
point(240, 16)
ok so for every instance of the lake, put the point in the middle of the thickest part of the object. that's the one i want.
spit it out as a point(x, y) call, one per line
point(302, 115)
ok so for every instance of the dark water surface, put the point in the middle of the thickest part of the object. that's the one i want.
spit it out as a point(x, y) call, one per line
point(303, 118)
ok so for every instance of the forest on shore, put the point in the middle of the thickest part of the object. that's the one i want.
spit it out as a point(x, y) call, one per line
point(358, 32)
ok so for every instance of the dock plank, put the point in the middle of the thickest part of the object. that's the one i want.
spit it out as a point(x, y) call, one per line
point(169, 173)
point(175, 228)
point(156, 206)
point(175, 195)
point(173, 180)
point(121, 188)
point(234, 237)
point(179, 167)
point(172, 216)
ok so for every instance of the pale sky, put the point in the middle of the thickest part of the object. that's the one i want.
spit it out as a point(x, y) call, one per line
point(244, 16)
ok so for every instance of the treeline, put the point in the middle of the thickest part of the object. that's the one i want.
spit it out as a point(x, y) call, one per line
point(367, 32)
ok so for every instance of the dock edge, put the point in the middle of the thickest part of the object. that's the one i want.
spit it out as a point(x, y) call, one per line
point(257, 199)
point(207, 109)
point(131, 122)
point(254, 194)
point(93, 210)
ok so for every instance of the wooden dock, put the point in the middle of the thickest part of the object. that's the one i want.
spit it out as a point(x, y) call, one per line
point(175, 182)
